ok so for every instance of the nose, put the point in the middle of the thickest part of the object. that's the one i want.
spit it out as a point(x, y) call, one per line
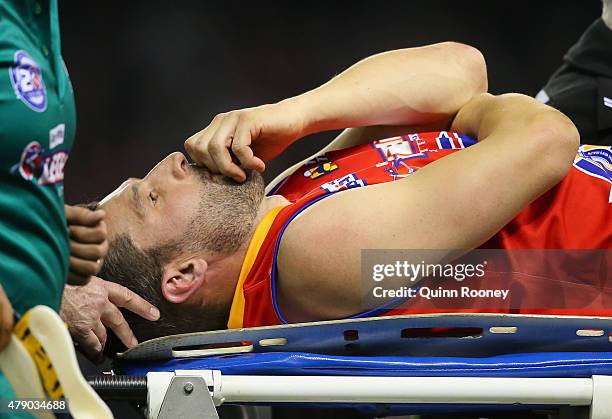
point(180, 165)
point(175, 165)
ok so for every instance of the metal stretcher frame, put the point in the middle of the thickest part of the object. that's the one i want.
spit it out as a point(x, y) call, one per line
point(180, 380)
point(166, 400)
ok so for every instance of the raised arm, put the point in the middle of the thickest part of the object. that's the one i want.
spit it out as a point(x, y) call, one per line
point(416, 86)
point(457, 202)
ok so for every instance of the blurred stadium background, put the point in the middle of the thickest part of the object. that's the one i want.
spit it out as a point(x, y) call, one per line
point(148, 74)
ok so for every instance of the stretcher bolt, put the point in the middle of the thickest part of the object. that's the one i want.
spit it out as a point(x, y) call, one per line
point(188, 388)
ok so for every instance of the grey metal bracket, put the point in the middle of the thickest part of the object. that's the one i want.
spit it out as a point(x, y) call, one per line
point(188, 397)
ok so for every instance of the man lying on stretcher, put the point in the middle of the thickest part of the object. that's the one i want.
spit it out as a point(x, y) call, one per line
point(205, 245)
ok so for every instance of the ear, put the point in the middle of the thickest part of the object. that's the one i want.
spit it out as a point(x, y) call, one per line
point(181, 280)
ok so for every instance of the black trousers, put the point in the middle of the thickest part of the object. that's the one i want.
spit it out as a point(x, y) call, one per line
point(582, 87)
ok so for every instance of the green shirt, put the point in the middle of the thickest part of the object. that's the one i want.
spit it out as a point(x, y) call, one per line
point(37, 126)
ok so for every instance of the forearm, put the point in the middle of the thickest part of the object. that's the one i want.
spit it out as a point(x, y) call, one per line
point(411, 87)
point(524, 149)
point(415, 86)
point(521, 121)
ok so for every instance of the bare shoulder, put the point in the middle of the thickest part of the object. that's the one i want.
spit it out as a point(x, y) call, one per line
point(319, 258)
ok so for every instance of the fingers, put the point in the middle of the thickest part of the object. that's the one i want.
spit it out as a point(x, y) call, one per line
point(113, 318)
point(197, 145)
point(91, 345)
point(123, 297)
point(88, 244)
point(219, 149)
point(6, 319)
point(83, 216)
point(228, 132)
point(100, 331)
point(84, 234)
point(93, 251)
point(241, 147)
point(84, 268)
point(88, 312)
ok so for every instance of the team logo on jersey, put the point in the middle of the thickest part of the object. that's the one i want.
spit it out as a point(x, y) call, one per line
point(395, 151)
point(47, 170)
point(27, 82)
point(320, 170)
point(346, 182)
point(595, 161)
point(31, 162)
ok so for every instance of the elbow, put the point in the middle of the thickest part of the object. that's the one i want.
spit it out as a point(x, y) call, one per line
point(556, 140)
point(472, 64)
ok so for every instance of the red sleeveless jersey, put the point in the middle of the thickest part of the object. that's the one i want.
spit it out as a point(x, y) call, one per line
point(575, 214)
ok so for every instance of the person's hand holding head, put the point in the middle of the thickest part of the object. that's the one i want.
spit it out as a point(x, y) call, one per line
point(90, 309)
point(88, 244)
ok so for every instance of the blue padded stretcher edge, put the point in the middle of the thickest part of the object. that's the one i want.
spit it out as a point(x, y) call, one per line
point(526, 365)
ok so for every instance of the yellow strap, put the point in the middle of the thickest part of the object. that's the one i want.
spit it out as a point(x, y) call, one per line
point(45, 369)
point(236, 315)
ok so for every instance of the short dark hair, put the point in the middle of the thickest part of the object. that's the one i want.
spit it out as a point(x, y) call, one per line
point(141, 271)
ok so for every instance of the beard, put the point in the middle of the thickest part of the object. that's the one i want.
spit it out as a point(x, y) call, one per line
point(227, 211)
